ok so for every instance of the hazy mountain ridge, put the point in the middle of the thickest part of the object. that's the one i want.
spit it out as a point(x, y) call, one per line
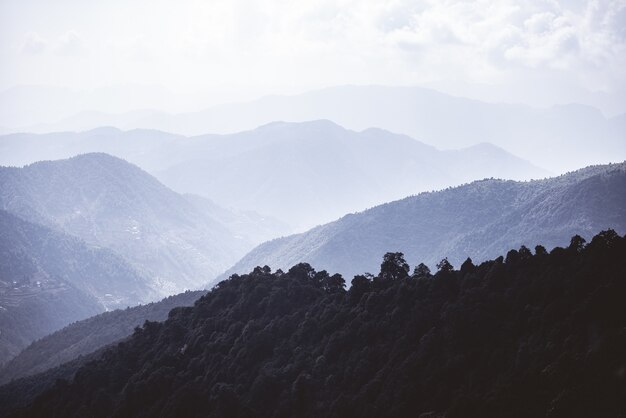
point(49, 279)
point(255, 170)
point(479, 220)
point(327, 171)
point(141, 146)
point(111, 203)
point(507, 337)
point(88, 335)
point(579, 133)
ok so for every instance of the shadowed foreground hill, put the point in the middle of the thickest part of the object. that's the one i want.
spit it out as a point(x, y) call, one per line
point(479, 220)
point(526, 335)
point(86, 336)
point(74, 346)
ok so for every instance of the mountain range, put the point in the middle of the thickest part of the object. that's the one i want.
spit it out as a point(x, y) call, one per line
point(478, 220)
point(175, 242)
point(301, 173)
point(580, 134)
point(49, 279)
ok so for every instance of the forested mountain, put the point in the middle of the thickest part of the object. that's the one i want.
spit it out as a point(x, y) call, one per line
point(255, 170)
point(579, 134)
point(49, 279)
point(86, 336)
point(527, 335)
point(175, 242)
point(478, 220)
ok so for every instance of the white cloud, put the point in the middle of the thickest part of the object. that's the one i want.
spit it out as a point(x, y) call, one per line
point(70, 44)
point(281, 45)
point(33, 44)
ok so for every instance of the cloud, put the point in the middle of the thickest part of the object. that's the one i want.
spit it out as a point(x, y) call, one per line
point(70, 44)
point(33, 44)
point(273, 44)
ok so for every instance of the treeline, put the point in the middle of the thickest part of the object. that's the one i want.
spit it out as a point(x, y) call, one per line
point(535, 333)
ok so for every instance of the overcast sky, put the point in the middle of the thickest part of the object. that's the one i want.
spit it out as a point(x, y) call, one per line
point(542, 51)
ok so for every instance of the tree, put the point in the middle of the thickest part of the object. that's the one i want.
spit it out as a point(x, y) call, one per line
point(525, 253)
point(541, 250)
point(421, 271)
point(444, 266)
point(330, 283)
point(334, 283)
point(258, 270)
point(577, 244)
point(394, 267)
point(302, 271)
point(512, 257)
point(467, 266)
point(361, 284)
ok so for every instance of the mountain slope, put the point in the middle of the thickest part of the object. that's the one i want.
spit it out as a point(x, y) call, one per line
point(49, 279)
point(479, 220)
point(301, 173)
point(535, 335)
point(86, 336)
point(110, 203)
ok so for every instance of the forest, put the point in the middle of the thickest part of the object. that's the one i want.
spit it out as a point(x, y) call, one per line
point(531, 333)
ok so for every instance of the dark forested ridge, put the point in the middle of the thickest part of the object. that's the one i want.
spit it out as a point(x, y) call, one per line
point(60, 354)
point(480, 220)
point(529, 334)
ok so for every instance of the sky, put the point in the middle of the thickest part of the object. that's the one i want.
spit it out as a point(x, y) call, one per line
point(537, 52)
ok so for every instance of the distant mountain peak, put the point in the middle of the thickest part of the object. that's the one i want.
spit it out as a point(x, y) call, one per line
point(104, 130)
point(324, 124)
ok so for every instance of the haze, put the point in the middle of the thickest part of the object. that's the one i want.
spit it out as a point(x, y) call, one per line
point(182, 56)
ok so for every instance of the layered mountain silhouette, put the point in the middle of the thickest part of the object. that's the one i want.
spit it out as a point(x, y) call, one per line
point(302, 173)
point(579, 134)
point(312, 172)
point(49, 279)
point(478, 220)
point(173, 241)
point(527, 335)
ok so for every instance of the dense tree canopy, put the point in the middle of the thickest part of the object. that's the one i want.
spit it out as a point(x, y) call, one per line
point(532, 335)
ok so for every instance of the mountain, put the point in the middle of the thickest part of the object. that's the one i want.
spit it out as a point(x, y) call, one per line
point(530, 335)
point(285, 170)
point(49, 279)
point(107, 202)
point(88, 335)
point(141, 147)
point(478, 220)
point(579, 134)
